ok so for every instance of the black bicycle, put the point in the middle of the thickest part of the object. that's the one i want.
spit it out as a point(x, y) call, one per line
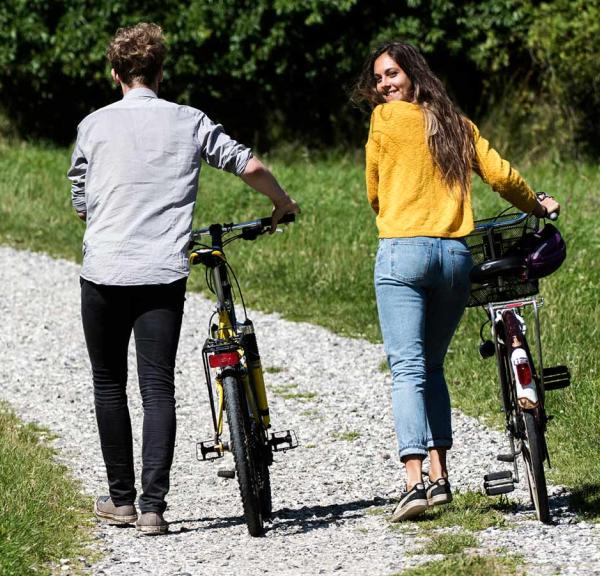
point(502, 283)
point(231, 352)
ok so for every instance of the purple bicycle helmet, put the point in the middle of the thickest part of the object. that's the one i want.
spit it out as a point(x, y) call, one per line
point(544, 251)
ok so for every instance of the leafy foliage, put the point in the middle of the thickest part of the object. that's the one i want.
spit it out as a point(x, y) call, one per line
point(279, 70)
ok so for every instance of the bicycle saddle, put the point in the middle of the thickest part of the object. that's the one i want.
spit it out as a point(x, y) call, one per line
point(492, 269)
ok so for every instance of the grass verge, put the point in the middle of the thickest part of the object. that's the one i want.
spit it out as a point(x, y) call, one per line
point(467, 565)
point(469, 513)
point(43, 517)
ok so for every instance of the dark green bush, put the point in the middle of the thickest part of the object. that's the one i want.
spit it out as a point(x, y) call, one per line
point(282, 70)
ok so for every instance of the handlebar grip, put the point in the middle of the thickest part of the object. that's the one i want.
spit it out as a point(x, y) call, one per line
point(553, 215)
point(286, 219)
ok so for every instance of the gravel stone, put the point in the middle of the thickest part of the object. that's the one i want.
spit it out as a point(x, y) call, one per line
point(327, 495)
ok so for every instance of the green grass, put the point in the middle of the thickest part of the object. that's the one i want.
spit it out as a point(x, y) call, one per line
point(347, 436)
point(447, 543)
point(320, 270)
point(288, 392)
point(472, 511)
point(465, 565)
point(43, 517)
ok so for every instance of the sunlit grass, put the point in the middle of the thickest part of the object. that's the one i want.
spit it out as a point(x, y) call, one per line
point(43, 517)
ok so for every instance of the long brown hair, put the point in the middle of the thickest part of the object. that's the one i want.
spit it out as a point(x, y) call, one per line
point(449, 135)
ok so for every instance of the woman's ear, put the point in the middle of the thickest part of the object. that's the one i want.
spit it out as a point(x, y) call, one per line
point(115, 77)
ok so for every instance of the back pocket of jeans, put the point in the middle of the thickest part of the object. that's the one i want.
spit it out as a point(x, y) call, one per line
point(410, 260)
point(462, 262)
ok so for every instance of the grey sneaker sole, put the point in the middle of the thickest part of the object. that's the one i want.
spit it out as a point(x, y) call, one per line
point(116, 519)
point(440, 499)
point(409, 511)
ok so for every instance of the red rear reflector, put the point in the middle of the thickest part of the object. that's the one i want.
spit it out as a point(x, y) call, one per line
point(224, 359)
point(524, 373)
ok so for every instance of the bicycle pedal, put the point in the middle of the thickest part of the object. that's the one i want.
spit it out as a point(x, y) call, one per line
point(499, 489)
point(209, 450)
point(556, 377)
point(495, 476)
point(283, 440)
point(498, 483)
point(505, 457)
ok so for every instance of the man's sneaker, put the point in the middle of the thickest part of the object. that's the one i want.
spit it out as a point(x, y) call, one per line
point(106, 510)
point(438, 492)
point(152, 523)
point(412, 503)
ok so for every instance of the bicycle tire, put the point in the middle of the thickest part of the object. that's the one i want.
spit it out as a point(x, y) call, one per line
point(262, 471)
point(533, 456)
point(244, 454)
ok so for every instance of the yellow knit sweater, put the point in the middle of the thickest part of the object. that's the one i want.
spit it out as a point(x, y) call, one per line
point(405, 188)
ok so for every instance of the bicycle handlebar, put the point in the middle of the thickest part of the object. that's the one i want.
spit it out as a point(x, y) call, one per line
point(257, 226)
point(550, 215)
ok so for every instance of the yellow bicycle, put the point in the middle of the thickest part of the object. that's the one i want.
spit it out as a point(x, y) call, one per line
point(238, 389)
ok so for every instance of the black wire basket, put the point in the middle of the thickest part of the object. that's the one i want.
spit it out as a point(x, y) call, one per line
point(497, 238)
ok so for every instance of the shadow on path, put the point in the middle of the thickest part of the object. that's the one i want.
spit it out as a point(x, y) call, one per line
point(306, 518)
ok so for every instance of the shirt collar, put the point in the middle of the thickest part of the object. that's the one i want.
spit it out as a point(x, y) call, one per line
point(140, 93)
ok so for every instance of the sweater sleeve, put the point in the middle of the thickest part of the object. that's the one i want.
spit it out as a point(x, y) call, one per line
point(372, 166)
point(501, 176)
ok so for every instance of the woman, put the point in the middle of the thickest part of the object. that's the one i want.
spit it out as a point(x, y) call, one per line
point(134, 179)
point(419, 158)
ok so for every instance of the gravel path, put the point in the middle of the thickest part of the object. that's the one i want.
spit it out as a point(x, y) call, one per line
point(326, 493)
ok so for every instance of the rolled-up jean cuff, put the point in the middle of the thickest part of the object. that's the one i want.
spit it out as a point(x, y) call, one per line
point(414, 450)
point(439, 443)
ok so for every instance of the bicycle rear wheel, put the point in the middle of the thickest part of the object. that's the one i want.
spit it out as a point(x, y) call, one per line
point(250, 471)
point(533, 455)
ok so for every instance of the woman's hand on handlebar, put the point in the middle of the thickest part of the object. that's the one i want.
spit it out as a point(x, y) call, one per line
point(546, 206)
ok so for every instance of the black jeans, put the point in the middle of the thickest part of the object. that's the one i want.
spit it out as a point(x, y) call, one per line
point(154, 313)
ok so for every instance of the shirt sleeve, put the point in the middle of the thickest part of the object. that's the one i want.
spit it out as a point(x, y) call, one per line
point(372, 167)
point(501, 176)
point(76, 174)
point(219, 150)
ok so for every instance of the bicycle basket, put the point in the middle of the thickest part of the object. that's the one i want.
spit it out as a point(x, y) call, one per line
point(496, 238)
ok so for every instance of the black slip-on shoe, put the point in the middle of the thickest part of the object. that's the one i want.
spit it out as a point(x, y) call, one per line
point(412, 503)
point(106, 510)
point(152, 523)
point(439, 492)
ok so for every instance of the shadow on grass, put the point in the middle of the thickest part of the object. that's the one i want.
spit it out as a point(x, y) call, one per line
point(585, 501)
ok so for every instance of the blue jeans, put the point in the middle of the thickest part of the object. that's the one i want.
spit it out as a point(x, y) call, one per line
point(422, 287)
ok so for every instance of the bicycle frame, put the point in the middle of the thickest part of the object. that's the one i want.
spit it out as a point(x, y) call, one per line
point(228, 348)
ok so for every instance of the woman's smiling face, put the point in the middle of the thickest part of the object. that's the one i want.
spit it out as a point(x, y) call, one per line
point(391, 81)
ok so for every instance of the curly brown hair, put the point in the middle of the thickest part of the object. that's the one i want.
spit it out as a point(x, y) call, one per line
point(137, 53)
point(449, 135)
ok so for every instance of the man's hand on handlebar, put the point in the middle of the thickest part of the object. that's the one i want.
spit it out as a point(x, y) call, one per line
point(288, 206)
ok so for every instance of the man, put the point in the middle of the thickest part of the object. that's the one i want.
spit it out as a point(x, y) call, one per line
point(134, 176)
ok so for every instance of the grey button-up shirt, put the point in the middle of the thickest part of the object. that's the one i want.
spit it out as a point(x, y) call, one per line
point(134, 171)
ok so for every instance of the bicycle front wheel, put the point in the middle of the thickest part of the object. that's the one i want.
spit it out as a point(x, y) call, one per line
point(243, 446)
point(533, 455)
